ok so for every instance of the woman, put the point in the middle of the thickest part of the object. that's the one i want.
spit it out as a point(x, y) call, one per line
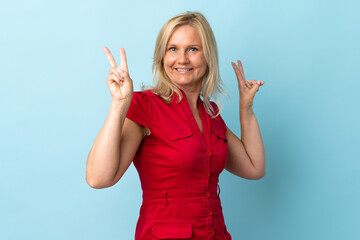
point(178, 141)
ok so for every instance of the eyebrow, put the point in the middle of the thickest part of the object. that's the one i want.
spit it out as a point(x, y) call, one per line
point(192, 45)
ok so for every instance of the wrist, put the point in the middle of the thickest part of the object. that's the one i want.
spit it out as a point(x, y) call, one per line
point(120, 105)
point(246, 107)
point(121, 102)
point(246, 112)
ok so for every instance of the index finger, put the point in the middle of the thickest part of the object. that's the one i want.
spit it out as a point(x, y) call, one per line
point(238, 74)
point(109, 57)
point(241, 69)
point(123, 62)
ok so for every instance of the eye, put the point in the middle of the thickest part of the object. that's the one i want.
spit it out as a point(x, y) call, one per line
point(193, 49)
point(172, 49)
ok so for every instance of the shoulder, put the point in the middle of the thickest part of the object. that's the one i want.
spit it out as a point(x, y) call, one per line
point(141, 98)
point(146, 102)
point(141, 108)
point(216, 109)
point(146, 95)
point(141, 94)
point(218, 120)
point(215, 106)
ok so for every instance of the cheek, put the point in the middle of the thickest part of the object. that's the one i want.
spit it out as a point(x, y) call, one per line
point(202, 66)
point(168, 66)
point(200, 62)
point(169, 61)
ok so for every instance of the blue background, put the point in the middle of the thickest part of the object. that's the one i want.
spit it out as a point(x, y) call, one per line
point(54, 100)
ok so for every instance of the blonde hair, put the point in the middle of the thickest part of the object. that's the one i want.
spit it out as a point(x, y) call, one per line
point(212, 83)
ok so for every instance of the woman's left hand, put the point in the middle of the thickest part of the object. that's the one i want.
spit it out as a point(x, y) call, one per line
point(247, 88)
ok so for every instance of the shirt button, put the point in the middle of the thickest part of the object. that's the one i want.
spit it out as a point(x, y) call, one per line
point(208, 153)
point(209, 212)
point(207, 173)
point(211, 232)
point(207, 194)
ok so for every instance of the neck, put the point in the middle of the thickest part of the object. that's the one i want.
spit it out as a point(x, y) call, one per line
point(192, 96)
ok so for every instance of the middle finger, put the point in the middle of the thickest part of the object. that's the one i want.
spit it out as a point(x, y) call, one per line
point(110, 57)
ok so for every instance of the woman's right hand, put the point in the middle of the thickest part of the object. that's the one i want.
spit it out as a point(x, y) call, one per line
point(119, 81)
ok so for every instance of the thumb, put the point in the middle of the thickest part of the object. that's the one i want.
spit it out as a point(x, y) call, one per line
point(123, 74)
point(255, 85)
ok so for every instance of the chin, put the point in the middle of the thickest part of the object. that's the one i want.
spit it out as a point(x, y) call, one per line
point(184, 82)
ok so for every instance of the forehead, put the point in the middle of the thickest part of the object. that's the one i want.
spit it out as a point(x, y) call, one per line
point(185, 35)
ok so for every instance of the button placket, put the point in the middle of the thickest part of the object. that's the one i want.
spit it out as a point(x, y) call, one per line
point(207, 194)
point(207, 167)
point(206, 171)
point(208, 153)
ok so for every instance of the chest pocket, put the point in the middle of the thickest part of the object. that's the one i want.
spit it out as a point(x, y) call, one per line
point(176, 133)
point(220, 134)
point(167, 231)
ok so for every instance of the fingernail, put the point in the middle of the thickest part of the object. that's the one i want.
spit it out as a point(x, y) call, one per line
point(258, 82)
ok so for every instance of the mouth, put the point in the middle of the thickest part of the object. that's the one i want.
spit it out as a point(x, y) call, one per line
point(183, 70)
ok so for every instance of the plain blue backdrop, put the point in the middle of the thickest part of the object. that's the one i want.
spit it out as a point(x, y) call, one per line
point(54, 100)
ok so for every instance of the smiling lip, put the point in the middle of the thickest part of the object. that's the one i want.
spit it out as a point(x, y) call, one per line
point(183, 70)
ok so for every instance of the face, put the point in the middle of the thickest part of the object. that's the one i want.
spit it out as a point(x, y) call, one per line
point(184, 59)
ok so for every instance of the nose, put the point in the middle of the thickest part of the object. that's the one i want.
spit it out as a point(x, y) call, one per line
point(183, 57)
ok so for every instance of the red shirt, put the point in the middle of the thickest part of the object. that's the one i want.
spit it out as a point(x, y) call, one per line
point(179, 170)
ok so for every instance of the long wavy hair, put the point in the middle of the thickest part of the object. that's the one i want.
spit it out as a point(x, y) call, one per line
point(212, 85)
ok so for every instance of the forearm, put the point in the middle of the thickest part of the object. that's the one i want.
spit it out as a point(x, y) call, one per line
point(251, 138)
point(104, 156)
